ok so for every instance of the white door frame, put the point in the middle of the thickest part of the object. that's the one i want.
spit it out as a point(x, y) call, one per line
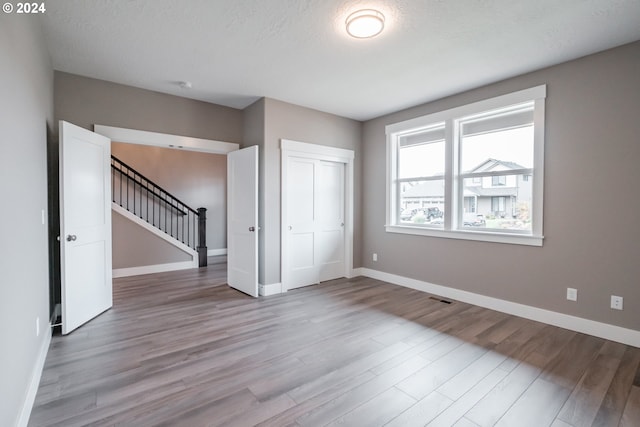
point(156, 139)
point(291, 148)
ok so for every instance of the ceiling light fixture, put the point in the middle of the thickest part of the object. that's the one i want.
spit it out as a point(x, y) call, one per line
point(365, 23)
point(185, 85)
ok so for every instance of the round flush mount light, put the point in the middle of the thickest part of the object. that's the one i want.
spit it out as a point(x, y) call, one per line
point(365, 23)
point(185, 85)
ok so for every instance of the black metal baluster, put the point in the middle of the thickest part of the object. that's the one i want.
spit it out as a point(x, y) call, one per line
point(127, 190)
point(153, 210)
point(113, 183)
point(135, 181)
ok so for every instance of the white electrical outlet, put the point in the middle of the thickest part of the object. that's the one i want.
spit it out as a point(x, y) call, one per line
point(375, 257)
point(616, 302)
point(37, 326)
point(572, 294)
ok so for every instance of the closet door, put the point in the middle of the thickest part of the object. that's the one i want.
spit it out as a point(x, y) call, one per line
point(315, 229)
point(329, 203)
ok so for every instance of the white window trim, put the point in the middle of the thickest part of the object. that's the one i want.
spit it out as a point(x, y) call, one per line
point(451, 220)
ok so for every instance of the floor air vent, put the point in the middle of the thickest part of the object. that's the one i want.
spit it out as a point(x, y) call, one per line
point(441, 300)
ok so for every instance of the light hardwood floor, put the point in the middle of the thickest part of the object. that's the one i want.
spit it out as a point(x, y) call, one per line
point(183, 349)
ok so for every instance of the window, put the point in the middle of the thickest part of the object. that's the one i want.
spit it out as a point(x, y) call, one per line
point(498, 180)
point(478, 168)
point(420, 180)
point(498, 205)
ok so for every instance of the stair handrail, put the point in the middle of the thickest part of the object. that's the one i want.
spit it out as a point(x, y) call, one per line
point(129, 168)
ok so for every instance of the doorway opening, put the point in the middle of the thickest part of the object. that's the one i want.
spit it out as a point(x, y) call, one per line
point(78, 300)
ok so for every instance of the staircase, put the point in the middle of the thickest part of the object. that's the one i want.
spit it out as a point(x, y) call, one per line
point(143, 198)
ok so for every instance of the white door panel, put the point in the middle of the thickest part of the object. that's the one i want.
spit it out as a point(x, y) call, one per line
point(331, 196)
point(315, 191)
point(301, 191)
point(242, 220)
point(303, 267)
point(301, 212)
point(85, 225)
point(331, 217)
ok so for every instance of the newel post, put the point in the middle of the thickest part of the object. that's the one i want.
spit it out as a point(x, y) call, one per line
point(202, 237)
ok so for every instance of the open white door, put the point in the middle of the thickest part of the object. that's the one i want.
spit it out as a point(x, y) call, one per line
point(85, 225)
point(242, 220)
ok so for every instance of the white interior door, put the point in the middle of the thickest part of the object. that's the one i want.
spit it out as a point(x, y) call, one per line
point(315, 214)
point(301, 227)
point(329, 196)
point(85, 225)
point(242, 220)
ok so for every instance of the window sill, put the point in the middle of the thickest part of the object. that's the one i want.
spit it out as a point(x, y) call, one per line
point(483, 236)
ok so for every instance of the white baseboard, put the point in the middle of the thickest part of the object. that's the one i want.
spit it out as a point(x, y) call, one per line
point(216, 252)
point(157, 268)
point(271, 289)
point(357, 272)
point(578, 324)
point(30, 397)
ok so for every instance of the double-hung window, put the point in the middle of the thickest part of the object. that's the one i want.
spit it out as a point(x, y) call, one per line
point(472, 172)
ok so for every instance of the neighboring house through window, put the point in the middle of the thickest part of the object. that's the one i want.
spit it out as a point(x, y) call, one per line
point(472, 172)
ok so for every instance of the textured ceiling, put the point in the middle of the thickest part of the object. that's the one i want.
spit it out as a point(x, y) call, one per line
point(236, 51)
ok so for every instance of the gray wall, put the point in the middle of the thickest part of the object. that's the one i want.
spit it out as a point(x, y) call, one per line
point(288, 121)
point(84, 102)
point(198, 179)
point(591, 206)
point(26, 117)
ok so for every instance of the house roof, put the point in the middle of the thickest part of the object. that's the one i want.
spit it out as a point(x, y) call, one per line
point(489, 164)
point(425, 189)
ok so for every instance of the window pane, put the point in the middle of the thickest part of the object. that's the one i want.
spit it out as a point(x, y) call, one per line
point(497, 141)
point(498, 180)
point(422, 202)
point(506, 207)
point(421, 154)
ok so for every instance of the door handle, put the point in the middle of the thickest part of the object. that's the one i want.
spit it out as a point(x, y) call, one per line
point(290, 228)
point(252, 229)
point(71, 238)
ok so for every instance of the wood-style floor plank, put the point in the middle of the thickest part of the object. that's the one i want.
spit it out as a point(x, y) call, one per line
point(184, 349)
